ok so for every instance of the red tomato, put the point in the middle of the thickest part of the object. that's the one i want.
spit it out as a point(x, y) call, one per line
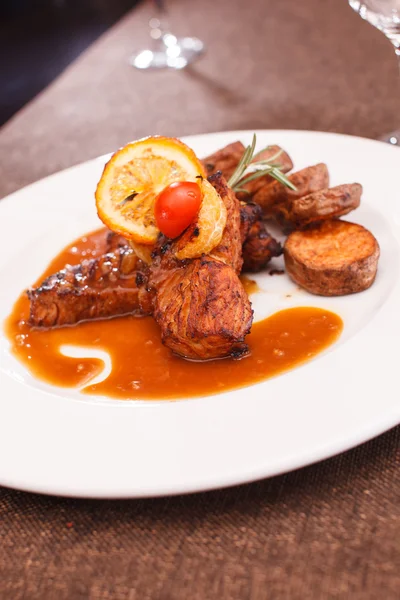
point(176, 207)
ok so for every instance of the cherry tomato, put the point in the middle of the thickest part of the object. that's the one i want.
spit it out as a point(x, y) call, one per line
point(176, 207)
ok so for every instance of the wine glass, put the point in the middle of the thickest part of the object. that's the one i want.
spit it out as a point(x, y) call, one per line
point(168, 51)
point(385, 16)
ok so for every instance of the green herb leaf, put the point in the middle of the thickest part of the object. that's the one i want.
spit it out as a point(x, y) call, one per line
point(259, 168)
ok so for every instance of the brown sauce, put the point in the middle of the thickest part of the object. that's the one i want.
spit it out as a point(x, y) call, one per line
point(250, 285)
point(142, 368)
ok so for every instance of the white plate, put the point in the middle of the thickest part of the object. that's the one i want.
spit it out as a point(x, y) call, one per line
point(58, 441)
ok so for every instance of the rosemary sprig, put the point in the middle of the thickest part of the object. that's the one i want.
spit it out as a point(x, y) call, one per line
point(249, 169)
point(243, 164)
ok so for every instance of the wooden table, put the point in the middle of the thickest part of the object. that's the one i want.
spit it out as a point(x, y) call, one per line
point(328, 531)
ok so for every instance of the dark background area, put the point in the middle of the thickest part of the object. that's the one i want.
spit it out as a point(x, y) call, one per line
point(39, 38)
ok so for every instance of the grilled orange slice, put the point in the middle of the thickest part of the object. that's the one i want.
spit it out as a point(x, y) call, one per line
point(132, 180)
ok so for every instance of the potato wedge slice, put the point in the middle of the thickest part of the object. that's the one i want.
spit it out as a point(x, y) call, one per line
point(333, 258)
point(319, 206)
point(275, 195)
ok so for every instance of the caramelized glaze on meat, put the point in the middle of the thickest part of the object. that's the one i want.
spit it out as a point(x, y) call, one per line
point(258, 245)
point(202, 309)
point(229, 250)
point(258, 248)
point(86, 291)
point(98, 288)
point(200, 305)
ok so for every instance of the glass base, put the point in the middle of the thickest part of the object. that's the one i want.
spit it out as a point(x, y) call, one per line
point(173, 53)
point(392, 138)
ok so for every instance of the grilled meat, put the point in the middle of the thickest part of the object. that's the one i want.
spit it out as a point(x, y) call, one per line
point(201, 308)
point(200, 305)
point(229, 250)
point(258, 248)
point(258, 245)
point(113, 240)
point(97, 288)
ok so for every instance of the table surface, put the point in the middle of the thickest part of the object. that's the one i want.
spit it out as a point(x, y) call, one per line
point(331, 530)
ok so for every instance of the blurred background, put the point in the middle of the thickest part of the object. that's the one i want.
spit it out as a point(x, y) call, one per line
point(41, 37)
point(67, 64)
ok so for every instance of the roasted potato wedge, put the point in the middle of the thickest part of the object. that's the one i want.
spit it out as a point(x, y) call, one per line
point(283, 160)
point(275, 194)
point(225, 160)
point(333, 258)
point(319, 206)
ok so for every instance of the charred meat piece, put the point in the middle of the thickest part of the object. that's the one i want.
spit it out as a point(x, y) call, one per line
point(200, 305)
point(259, 248)
point(229, 250)
point(97, 288)
point(225, 160)
point(307, 181)
point(113, 241)
point(72, 295)
point(250, 213)
point(333, 258)
point(258, 245)
point(202, 309)
point(320, 206)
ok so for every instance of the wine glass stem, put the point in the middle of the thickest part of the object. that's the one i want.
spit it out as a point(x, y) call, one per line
point(159, 23)
point(394, 138)
point(395, 39)
point(160, 6)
